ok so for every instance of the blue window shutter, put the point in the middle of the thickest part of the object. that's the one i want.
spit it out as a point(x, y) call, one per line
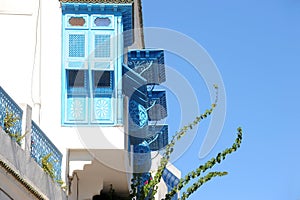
point(76, 103)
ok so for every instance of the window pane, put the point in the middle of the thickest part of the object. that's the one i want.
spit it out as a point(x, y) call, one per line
point(76, 78)
point(76, 45)
point(102, 46)
point(102, 79)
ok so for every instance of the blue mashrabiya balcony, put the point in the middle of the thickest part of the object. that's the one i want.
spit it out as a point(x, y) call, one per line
point(149, 63)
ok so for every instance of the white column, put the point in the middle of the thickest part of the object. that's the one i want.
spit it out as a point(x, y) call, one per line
point(26, 127)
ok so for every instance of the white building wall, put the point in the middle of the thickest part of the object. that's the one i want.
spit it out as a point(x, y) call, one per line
point(31, 67)
point(30, 64)
point(17, 39)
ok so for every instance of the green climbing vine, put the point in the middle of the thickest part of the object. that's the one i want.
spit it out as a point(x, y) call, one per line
point(149, 190)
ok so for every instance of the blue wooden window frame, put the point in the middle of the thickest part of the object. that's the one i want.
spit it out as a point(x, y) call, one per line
point(89, 51)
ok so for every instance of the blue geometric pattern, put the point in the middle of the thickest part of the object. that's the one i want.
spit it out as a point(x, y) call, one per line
point(76, 45)
point(137, 114)
point(76, 109)
point(102, 108)
point(8, 104)
point(41, 146)
point(102, 46)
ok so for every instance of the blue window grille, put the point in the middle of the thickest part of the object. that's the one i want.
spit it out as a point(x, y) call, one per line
point(76, 45)
point(41, 146)
point(102, 46)
point(8, 105)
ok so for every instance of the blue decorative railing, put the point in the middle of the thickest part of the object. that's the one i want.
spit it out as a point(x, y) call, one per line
point(41, 146)
point(8, 105)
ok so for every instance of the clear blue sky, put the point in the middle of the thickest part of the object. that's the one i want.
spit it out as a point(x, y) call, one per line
point(256, 47)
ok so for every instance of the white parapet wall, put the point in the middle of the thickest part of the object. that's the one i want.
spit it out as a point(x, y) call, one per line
point(21, 177)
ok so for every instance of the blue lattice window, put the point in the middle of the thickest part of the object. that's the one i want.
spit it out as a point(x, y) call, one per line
point(76, 45)
point(102, 46)
point(88, 70)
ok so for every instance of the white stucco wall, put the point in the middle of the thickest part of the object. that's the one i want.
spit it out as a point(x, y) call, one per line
point(30, 65)
point(22, 164)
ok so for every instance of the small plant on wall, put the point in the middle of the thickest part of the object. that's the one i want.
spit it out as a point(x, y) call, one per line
point(48, 167)
point(9, 122)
